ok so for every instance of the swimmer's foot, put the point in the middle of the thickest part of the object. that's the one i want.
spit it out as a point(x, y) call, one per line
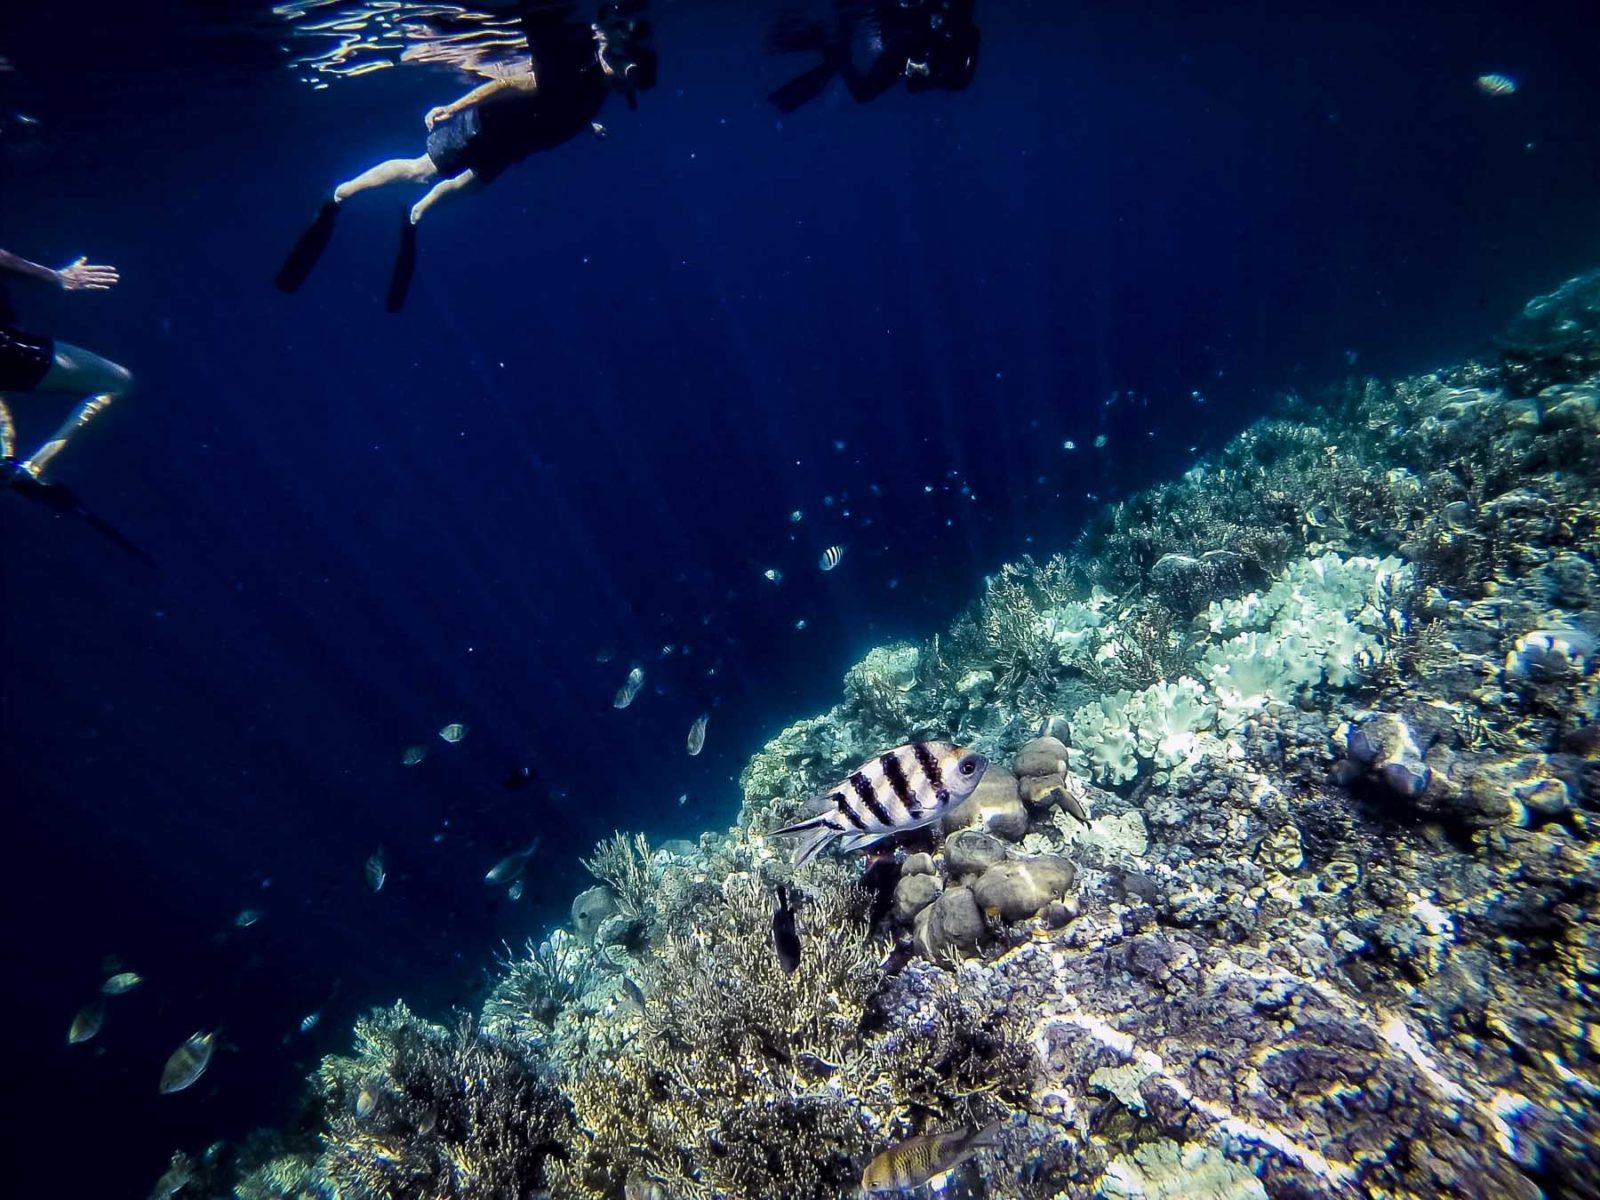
point(308, 248)
point(405, 263)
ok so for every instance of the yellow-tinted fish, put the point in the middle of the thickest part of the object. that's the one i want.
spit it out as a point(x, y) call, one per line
point(920, 1160)
point(126, 981)
point(87, 1023)
point(1496, 84)
point(830, 557)
point(413, 755)
point(365, 1103)
point(697, 734)
point(188, 1062)
point(903, 789)
point(630, 688)
point(453, 732)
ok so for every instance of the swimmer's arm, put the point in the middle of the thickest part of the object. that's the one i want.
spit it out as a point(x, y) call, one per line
point(527, 84)
point(75, 276)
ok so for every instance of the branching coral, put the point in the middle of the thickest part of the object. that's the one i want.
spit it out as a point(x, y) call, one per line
point(622, 863)
point(425, 1113)
point(535, 986)
point(746, 1083)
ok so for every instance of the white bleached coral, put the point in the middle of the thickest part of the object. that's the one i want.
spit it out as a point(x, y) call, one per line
point(1071, 626)
point(1323, 621)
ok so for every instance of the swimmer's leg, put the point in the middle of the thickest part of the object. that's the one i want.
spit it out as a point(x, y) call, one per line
point(8, 434)
point(396, 170)
point(440, 191)
point(77, 370)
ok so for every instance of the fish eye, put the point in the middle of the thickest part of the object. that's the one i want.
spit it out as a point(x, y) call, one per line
point(968, 766)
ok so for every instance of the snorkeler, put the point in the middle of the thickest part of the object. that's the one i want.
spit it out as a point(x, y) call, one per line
point(31, 362)
point(873, 46)
point(572, 70)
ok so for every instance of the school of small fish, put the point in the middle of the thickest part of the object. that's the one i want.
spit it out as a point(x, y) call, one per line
point(903, 789)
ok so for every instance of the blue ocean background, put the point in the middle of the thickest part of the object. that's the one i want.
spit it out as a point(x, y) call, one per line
point(622, 367)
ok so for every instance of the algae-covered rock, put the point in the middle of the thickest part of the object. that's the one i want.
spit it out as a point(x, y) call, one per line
point(1018, 889)
point(920, 863)
point(993, 807)
point(914, 893)
point(971, 852)
point(1041, 756)
point(1165, 1170)
point(951, 923)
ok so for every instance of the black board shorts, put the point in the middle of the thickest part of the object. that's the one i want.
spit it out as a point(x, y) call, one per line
point(450, 143)
point(25, 359)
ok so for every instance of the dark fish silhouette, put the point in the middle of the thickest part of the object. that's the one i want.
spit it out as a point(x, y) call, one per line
point(785, 938)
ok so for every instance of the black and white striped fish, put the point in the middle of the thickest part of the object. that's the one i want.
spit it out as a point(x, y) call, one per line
point(902, 789)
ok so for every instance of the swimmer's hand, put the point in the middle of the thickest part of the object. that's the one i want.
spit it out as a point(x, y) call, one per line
point(441, 112)
point(82, 276)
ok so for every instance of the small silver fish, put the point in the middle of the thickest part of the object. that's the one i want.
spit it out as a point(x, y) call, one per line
point(511, 866)
point(122, 982)
point(697, 734)
point(247, 918)
point(412, 756)
point(831, 558)
point(188, 1062)
point(922, 1159)
point(796, 517)
point(630, 688)
point(902, 789)
point(773, 575)
point(453, 732)
point(514, 892)
point(375, 871)
point(309, 1021)
point(87, 1022)
point(1496, 84)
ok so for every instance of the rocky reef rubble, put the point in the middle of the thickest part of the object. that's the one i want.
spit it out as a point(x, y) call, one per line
point(1284, 881)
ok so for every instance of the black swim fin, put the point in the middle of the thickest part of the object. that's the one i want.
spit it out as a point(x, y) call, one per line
point(307, 249)
point(405, 263)
point(803, 88)
point(64, 502)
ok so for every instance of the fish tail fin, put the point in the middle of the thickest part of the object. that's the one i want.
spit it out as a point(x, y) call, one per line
point(817, 834)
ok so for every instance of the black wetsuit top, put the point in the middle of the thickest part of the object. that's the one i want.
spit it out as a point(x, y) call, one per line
point(489, 137)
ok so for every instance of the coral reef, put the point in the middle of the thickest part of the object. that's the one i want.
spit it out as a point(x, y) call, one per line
point(1285, 880)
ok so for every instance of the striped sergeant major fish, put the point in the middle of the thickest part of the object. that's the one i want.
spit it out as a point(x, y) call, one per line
point(900, 790)
point(924, 1159)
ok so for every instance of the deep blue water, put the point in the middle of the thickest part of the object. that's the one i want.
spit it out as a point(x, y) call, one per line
point(622, 366)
